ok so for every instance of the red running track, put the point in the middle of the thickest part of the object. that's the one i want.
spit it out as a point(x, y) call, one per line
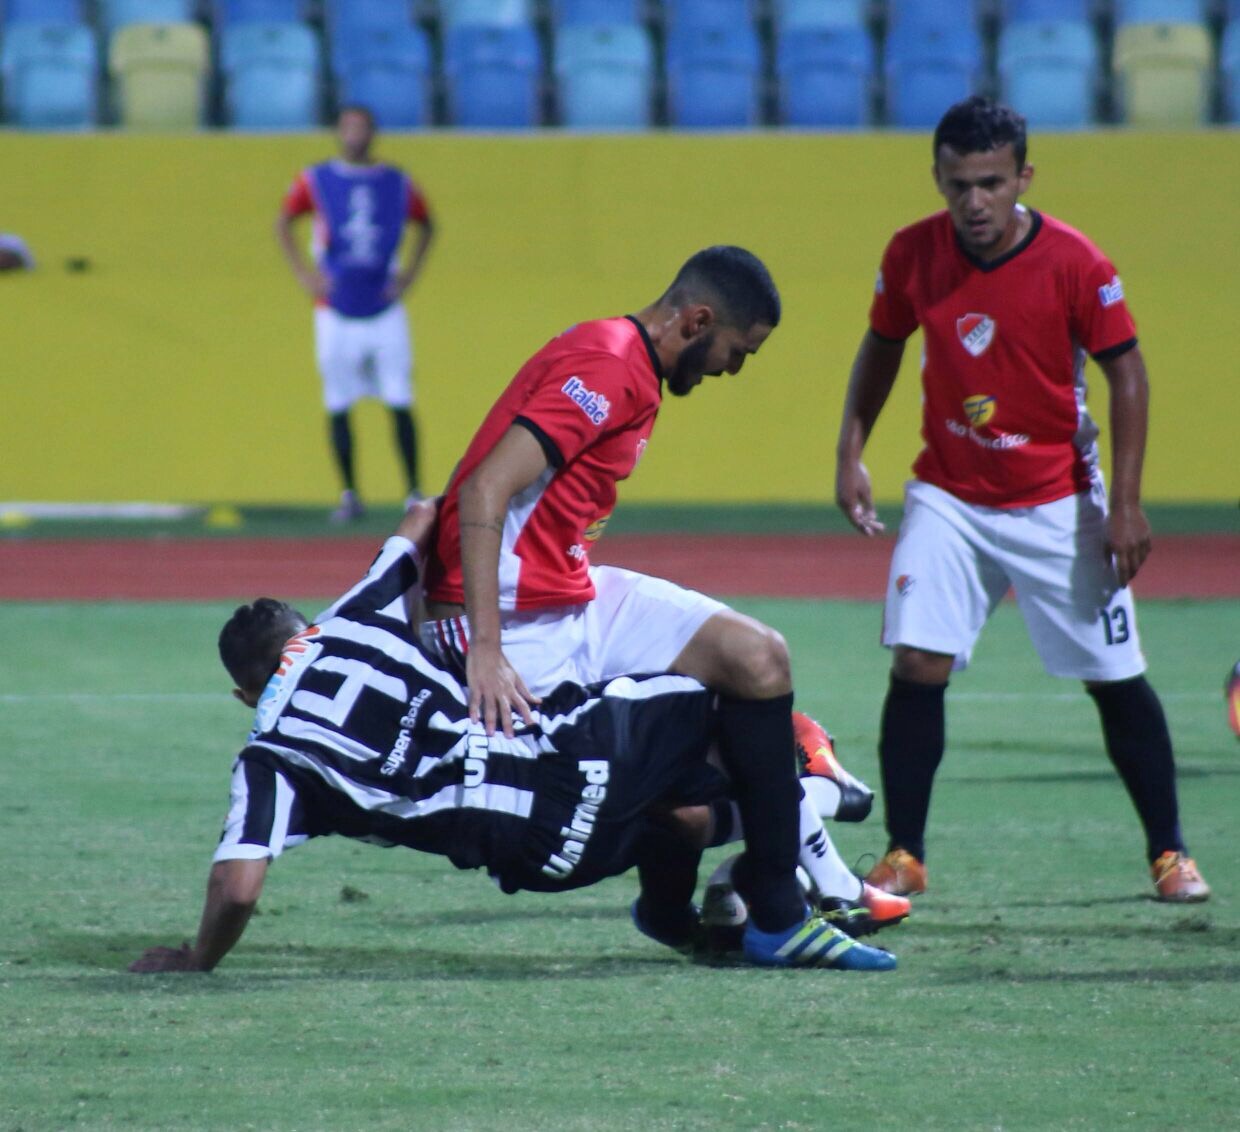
point(804, 566)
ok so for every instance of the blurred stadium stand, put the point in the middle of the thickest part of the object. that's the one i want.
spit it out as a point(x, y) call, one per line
point(615, 64)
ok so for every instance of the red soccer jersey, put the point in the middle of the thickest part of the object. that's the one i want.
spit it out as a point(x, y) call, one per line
point(1003, 409)
point(590, 398)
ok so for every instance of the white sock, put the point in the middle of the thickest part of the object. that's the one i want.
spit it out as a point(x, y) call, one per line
point(822, 793)
point(820, 859)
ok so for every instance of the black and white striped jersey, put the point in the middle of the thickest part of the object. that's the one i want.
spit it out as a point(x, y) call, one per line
point(361, 733)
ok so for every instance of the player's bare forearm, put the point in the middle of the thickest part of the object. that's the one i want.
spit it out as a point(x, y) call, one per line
point(1128, 529)
point(873, 374)
point(233, 888)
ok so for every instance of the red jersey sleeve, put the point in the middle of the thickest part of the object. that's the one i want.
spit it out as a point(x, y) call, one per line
point(298, 200)
point(580, 399)
point(891, 313)
point(1100, 318)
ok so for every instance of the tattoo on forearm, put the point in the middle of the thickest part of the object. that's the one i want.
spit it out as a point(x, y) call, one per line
point(496, 525)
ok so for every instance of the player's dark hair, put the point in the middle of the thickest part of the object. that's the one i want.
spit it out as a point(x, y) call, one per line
point(978, 125)
point(733, 281)
point(358, 108)
point(252, 638)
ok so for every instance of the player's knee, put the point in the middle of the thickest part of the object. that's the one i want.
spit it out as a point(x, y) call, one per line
point(760, 666)
point(920, 667)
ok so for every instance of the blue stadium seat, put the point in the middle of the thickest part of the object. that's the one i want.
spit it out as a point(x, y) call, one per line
point(341, 14)
point(271, 76)
point(568, 13)
point(115, 14)
point(1050, 71)
point(605, 76)
point(824, 76)
point(229, 12)
point(928, 69)
point(42, 11)
point(820, 13)
point(1229, 71)
point(714, 76)
point(387, 70)
point(682, 15)
point(1044, 11)
point(493, 76)
point(488, 13)
point(918, 14)
point(51, 76)
point(1160, 12)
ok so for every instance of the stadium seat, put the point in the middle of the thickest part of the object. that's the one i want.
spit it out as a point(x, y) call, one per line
point(824, 75)
point(684, 15)
point(487, 13)
point(493, 76)
point(568, 13)
point(1049, 71)
point(943, 14)
point(819, 13)
point(230, 12)
point(605, 76)
point(160, 72)
point(42, 11)
point(1046, 11)
point(1229, 72)
point(271, 76)
point(115, 14)
point(341, 14)
point(928, 69)
point(387, 70)
point(714, 76)
point(1162, 74)
point(1160, 12)
point(51, 77)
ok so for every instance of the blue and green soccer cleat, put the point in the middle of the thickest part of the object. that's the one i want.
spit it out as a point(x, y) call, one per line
point(813, 943)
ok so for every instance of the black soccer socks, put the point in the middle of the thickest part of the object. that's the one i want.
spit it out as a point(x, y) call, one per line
point(407, 445)
point(1139, 744)
point(755, 740)
point(342, 446)
point(910, 748)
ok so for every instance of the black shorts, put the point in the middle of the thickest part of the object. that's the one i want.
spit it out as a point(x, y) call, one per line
point(621, 747)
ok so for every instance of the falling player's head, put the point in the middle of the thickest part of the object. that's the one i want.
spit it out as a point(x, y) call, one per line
point(980, 170)
point(251, 641)
point(725, 304)
point(355, 131)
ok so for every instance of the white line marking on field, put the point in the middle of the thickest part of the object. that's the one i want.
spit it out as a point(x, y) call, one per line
point(1066, 697)
point(107, 697)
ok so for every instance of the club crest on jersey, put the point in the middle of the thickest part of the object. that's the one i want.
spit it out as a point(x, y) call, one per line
point(594, 405)
point(979, 409)
point(1111, 293)
point(976, 332)
point(904, 583)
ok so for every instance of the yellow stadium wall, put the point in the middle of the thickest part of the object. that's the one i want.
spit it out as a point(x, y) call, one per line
point(180, 368)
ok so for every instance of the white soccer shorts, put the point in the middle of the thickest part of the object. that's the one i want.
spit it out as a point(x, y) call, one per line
point(635, 624)
point(954, 561)
point(364, 357)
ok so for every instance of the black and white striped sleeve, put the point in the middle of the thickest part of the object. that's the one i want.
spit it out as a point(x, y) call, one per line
point(392, 575)
point(264, 815)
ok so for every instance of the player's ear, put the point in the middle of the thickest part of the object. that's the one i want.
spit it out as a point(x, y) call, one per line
point(245, 699)
point(696, 319)
point(1025, 176)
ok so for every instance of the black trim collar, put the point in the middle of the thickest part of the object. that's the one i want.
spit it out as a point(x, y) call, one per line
point(993, 264)
point(654, 357)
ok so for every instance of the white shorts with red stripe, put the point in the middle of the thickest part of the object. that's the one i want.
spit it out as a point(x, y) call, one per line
point(364, 357)
point(635, 624)
point(954, 562)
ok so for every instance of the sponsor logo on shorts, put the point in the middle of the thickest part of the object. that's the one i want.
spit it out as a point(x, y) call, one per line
point(979, 409)
point(1111, 293)
point(904, 583)
point(577, 833)
point(996, 443)
point(594, 405)
point(976, 332)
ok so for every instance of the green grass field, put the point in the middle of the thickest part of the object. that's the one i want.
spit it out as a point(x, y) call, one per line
point(1040, 987)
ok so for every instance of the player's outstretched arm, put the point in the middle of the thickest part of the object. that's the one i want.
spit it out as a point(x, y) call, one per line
point(1128, 530)
point(873, 374)
point(233, 888)
point(496, 689)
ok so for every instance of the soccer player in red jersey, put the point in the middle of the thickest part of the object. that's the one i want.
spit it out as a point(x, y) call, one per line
point(536, 487)
point(1007, 490)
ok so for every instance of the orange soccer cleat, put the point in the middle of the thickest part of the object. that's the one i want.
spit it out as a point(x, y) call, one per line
point(1177, 879)
point(816, 757)
point(899, 873)
point(872, 911)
